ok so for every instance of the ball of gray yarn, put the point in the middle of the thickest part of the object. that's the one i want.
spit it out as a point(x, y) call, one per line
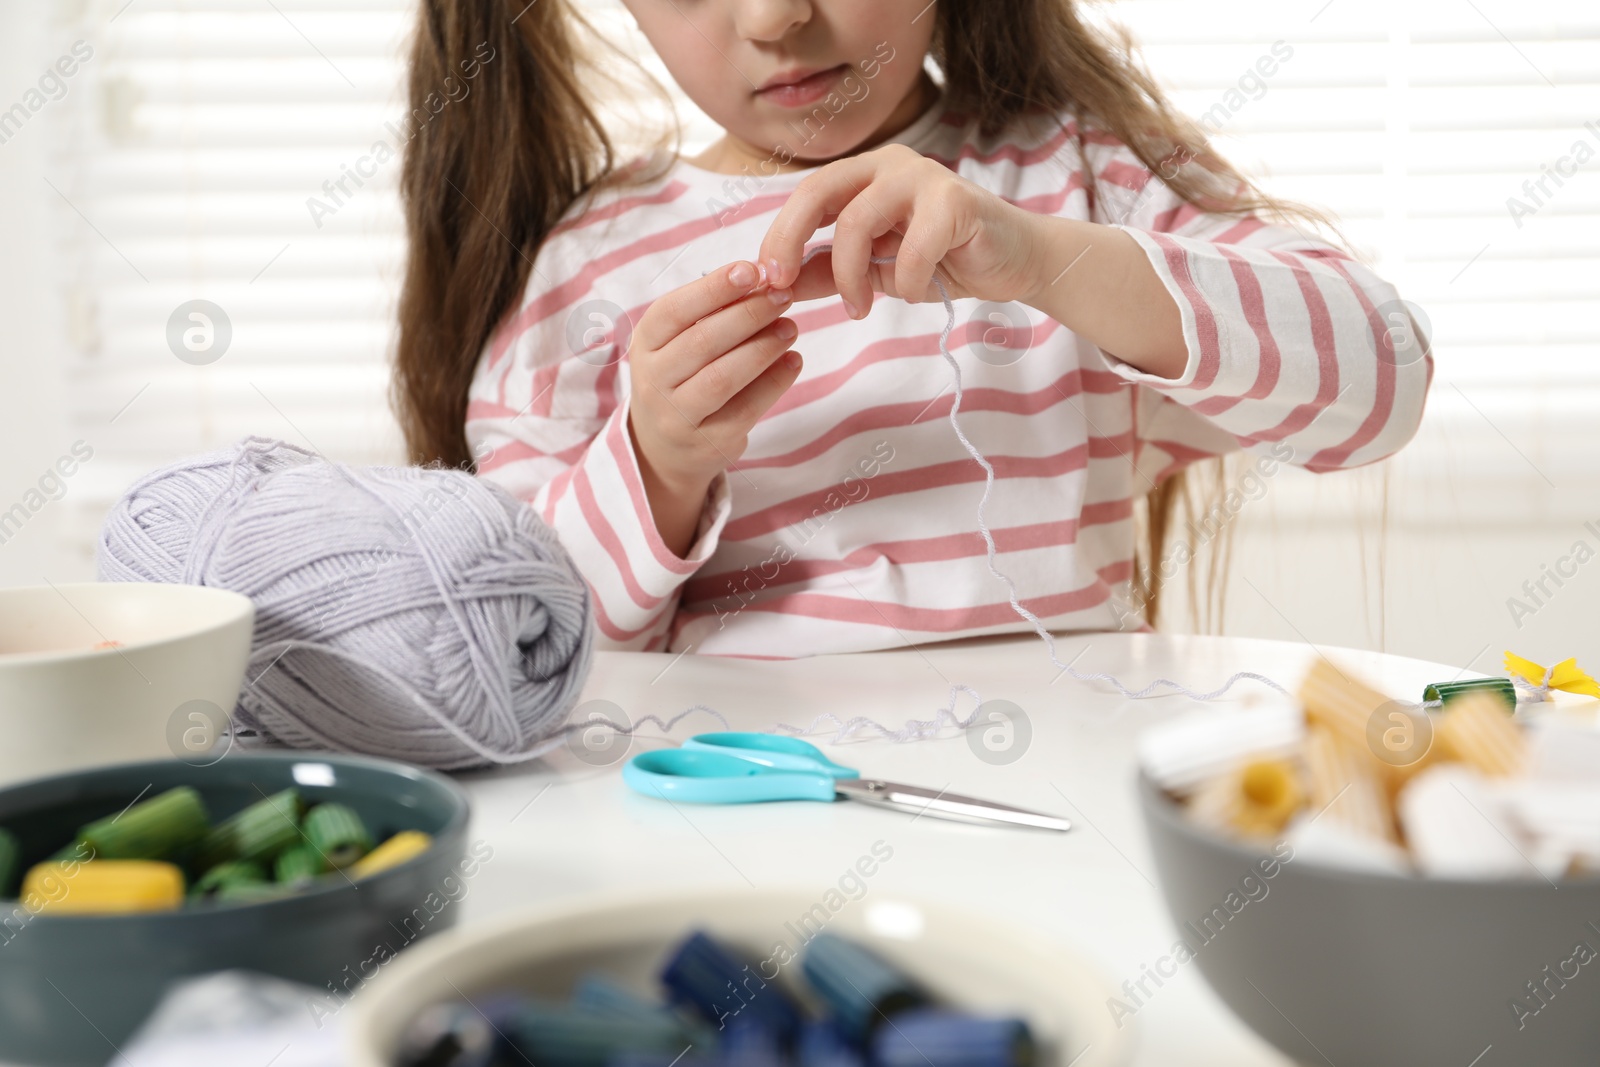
point(417, 614)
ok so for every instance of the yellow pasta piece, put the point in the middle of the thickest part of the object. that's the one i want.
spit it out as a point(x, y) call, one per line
point(1269, 795)
point(1345, 788)
point(1565, 676)
point(403, 846)
point(103, 887)
point(1475, 729)
point(1256, 799)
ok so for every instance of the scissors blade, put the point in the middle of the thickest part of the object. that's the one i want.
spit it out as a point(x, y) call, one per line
point(943, 805)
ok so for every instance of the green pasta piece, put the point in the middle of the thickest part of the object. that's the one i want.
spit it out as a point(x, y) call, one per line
point(337, 833)
point(298, 865)
point(10, 862)
point(156, 829)
point(224, 875)
point(1445, 692)
point(256, 834)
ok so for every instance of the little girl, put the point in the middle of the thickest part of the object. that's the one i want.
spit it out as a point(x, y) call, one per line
point(620, 343)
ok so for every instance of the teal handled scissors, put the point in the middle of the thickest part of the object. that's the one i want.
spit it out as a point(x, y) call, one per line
point(741, 768)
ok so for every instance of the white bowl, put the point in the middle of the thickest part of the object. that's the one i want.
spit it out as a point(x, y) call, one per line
point(963, 958)
point(69, 701)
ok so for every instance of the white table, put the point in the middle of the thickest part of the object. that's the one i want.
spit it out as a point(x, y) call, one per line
point(562, 828)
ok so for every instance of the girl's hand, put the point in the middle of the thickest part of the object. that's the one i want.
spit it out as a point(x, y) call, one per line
point(892, 201)
point(983, 247)
point(705, 365)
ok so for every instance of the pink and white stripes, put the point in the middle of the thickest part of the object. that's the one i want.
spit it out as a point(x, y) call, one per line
point(848, 524)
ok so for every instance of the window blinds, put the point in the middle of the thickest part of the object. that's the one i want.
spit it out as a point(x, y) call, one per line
point(189, 145)
point(1417, 121)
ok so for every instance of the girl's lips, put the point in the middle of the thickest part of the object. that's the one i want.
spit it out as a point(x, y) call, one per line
point(803, 92)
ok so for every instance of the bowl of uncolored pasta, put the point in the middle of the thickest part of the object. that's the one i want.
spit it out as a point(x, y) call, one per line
point(1370, 880)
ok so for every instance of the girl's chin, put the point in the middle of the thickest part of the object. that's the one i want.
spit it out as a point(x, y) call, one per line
point(793, 147)
point(813, 152)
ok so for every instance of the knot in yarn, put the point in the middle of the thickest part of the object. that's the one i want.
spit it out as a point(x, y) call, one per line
point(417, 614)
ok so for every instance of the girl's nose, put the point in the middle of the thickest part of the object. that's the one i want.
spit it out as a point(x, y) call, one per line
point(770, 20)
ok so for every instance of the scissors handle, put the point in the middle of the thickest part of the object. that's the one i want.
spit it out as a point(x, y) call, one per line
point(772, 750)
point(702, 776)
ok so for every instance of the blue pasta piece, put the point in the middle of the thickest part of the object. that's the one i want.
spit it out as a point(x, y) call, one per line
point(721, 987)
point(933, 1037)
point(858, 986)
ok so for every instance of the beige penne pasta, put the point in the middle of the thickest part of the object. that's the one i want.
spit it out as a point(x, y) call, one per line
point(1338, 701)
point(1476, 729)
point(1345, 788)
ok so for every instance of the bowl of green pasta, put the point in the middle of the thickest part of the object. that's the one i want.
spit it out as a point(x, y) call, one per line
point(116, 882)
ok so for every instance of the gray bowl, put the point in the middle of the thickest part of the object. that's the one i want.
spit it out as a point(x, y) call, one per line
point(72, 987)
point(1335, 966)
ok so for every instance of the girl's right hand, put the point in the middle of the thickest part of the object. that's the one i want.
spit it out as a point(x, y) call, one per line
point(705, 365)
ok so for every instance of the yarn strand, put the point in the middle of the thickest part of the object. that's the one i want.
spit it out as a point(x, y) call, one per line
point(1155, 687)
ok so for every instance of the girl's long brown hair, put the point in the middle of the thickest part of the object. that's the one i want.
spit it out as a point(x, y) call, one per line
point(485, 179)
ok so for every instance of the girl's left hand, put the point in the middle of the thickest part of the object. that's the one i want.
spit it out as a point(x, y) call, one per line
point(893, 201)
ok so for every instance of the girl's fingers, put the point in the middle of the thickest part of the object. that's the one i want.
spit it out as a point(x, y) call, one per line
point(753, 401)
point(675, 312)
point(706, 393)
point(926, 243)
point(821, 194)
point(816, 279)
point(877, 211)
point(720, 332)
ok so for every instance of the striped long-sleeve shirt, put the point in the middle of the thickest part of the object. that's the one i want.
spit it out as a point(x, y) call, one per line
point(850, 521)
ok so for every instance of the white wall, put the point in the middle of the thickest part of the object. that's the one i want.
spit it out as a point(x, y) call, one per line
point(33, 426)
point(1444, 597)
